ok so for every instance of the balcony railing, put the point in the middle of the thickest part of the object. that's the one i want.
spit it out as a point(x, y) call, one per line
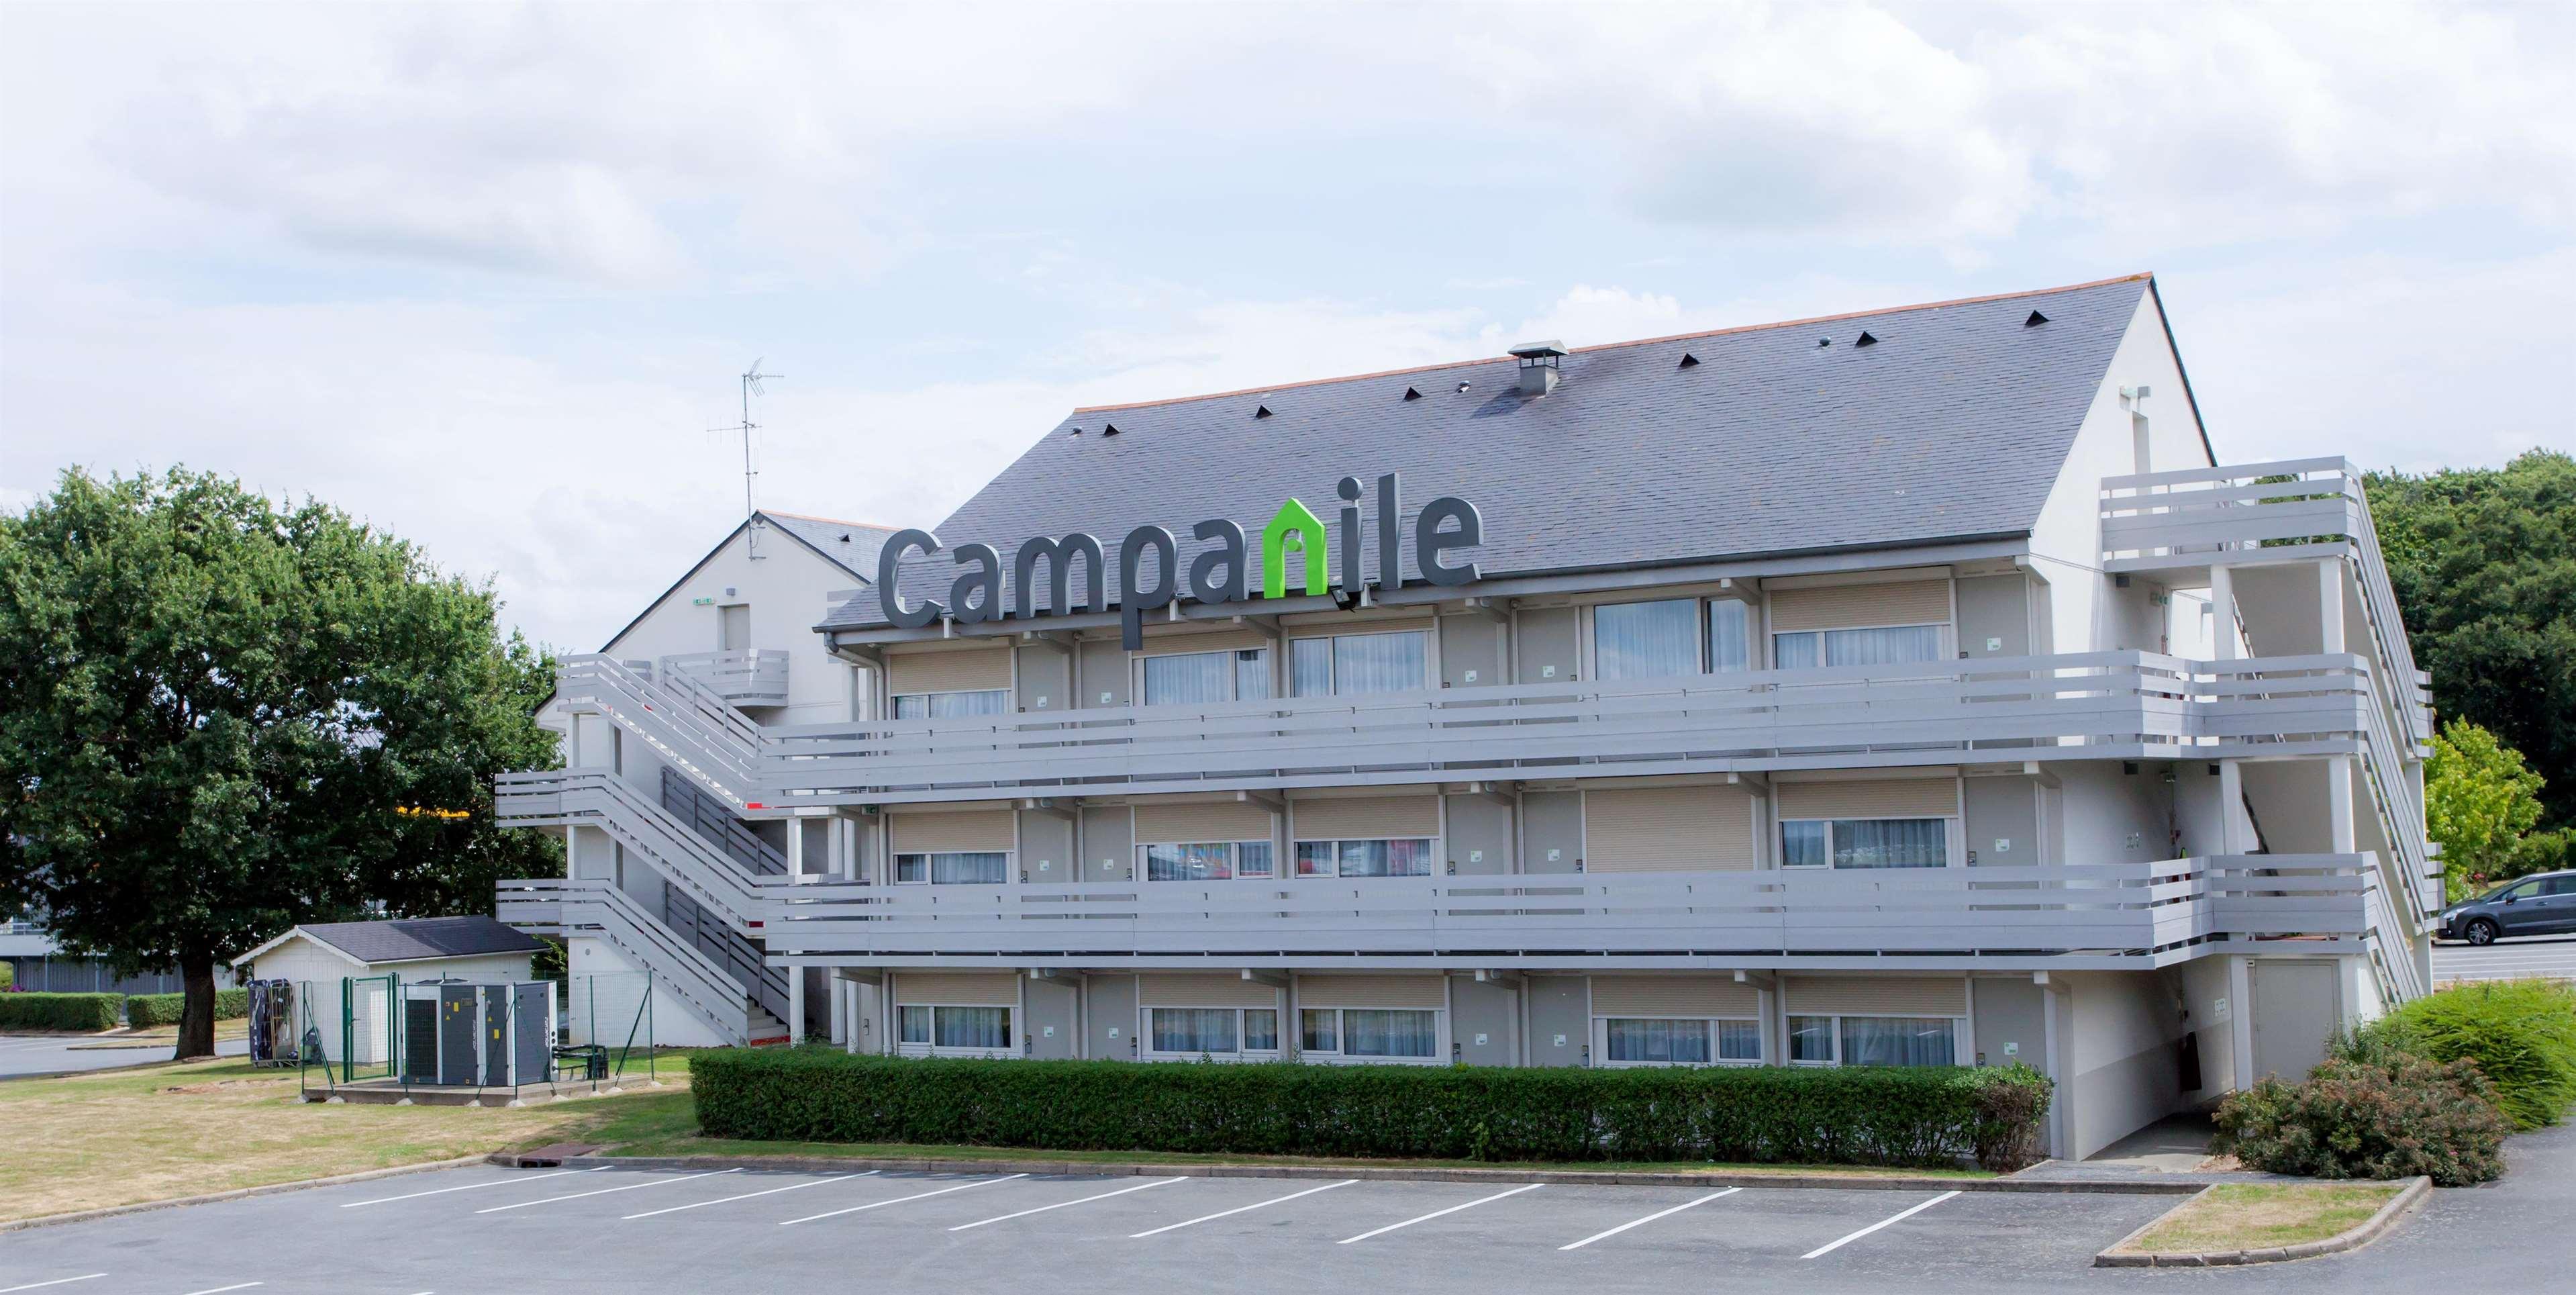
point(750, 678)
point(2082, 915)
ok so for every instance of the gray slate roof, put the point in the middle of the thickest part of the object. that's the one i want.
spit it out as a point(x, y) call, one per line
point(409, 939)
point(1951, 426)
point(853, 545)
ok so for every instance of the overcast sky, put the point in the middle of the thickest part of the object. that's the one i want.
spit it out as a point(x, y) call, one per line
point(484, 275)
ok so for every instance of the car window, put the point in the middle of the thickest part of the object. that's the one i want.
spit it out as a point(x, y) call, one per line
point(2519, 890)
point(2565, 885)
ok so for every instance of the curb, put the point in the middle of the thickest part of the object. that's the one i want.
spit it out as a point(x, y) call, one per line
point(2352, 1238)
point(1576, 1177)
point(238, 1193)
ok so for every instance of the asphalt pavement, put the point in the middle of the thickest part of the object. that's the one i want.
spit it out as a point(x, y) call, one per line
point(22, 1055)
point(2539, 955)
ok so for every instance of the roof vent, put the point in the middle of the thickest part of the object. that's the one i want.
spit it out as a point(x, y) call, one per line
point(1411, 394)
point(1866, 340)
point(1539, 371)
point(2036, 319)
point(1824, 341)
point(1073, 431)
point(1462, 387)
point(1262, 411)
point(1109, 429)
point(845, 537)
point(1689, 361)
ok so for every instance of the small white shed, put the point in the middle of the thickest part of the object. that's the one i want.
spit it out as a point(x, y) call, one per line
point(321, 956)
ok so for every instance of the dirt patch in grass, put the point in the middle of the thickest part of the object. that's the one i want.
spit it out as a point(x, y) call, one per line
point(2257, 1216)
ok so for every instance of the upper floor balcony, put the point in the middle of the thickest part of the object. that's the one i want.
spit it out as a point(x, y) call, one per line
point(753, 677)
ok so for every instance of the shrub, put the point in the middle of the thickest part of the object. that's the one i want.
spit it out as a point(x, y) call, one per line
point(2388, 1115)
point(2521, 1034)
point(85, 1012)
point(1927, 1116)
point(144, 1011)
point(8, 975)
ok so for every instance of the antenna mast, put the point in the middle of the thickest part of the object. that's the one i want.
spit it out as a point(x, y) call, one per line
point(751, 380)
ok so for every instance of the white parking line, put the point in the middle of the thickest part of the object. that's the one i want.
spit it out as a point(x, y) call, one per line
point(1650, 1218)
point(748, 1195)
point(1240, 1209)
point(985, 1182)
point(4, 1290)
point(1005, 1218)
point(658, 1182)
point(219, 1290)
point(1437, 1213)
point(1898, 1217)
point(442, 1191)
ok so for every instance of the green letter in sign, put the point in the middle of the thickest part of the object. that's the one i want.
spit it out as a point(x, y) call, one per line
point(1295, 524)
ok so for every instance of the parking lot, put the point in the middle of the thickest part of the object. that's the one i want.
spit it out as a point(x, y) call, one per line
point(2545, 955)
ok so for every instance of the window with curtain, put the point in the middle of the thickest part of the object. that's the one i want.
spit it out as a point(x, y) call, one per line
point(1354, 664)
point(916, 1024)
point(1811, 1039)
point(1730, 636)
point(1252, 859)
point(1656, 640)
point(1898, 1041)
point(1320, 1029)
point(1261, 1029)
point(1194, 1029)
point(951, 705)
point(978, 868)
point(1399, 857)
point(1865, 843)
point(1198, 678)
point(1647, 1040)
point(1206, 860)
point(1378, 1032)
point(1890, 645)
point(971, 1027)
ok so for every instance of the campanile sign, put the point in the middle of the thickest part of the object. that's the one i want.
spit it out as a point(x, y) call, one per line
point(1297, 556)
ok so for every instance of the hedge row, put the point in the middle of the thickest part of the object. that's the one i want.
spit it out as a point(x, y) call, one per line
point(1924, 1116)
point(85, 1012)
point(146, 1010)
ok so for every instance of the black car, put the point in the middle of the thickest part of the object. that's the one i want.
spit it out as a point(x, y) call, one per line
point(2542, 904)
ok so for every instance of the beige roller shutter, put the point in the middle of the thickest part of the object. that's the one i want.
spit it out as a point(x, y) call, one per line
point(1220, 820)
point(1203, 991)
point(1371, 991)
point(956, 832)
point(1872, 798)
point(1673, 996)
point(1365, 818)
point(1217, 641)
point(1876, 996)
point(976, 670)
point(958, 988)
point(1668, 829)
point(1841, 607)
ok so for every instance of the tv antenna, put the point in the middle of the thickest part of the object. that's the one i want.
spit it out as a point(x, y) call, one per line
point(751, 380)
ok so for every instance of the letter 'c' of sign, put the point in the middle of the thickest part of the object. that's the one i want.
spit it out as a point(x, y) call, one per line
point(890, 568)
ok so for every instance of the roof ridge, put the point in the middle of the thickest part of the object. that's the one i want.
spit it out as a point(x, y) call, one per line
point(1642, 341)
point(836, 521)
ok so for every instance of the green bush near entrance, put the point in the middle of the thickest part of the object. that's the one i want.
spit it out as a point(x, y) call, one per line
point(2370, 1113)
point(84, 1012)
point(144, 1011)
point(1909, 1116)
point(2521, 1034)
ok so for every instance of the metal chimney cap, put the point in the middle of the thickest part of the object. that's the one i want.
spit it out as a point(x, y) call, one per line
point(1535, 350)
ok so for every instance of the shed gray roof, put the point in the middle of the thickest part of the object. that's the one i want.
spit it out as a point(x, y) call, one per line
point(1951, 425)
point(410, 939)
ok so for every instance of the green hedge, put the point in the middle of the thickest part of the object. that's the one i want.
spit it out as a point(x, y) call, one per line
point(143, 1011)
point(2521, 1034)
point(1925, 1116)
point(87, 1012)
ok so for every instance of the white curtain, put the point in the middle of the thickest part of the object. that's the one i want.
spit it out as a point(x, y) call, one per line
point(1666, 1041)
point(1370, 1032)
point(1796, 651)
point(1892, 843)
point(1207, 862)
point(1739, 1040)
point(1186, 679)
point(978, 869)
point(1310, 667)
point(1193, 1029)
point(1261, 1030)
point(1902, 645)
point(1730, 636)
point(1805, 843)
point(1252, 674)
point(1322, 1029)
point(1811, 1038)
point(1898, 1041)
point(1252, 859)
point(951, 705)
point(974, 1027)
point(1368, 663)
point(1655, 640)
point(1401, 858)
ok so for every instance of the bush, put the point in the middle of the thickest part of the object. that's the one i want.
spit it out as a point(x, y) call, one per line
point(2383, 1115)
point(144, 1011)
point(8, 975)
point(84, 1012)
point(2521, 1034)
point(1924, 1116)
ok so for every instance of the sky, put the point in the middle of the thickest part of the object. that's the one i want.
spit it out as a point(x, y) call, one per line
point(484, 275)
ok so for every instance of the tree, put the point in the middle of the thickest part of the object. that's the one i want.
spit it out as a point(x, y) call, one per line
point(2479, 800)
point(219, 717)
point(2484, 564)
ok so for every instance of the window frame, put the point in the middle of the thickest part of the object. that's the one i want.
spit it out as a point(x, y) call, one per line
point(1781, 840)
point(1942, 648)
point(1704, 630)
point(1332, 669)
point(894, 704)
point(1430, 853)
point(1146, 1051)
point(1336, 1056)
point(1233, 674)
point(929, 870)
point(1834, 1033)
point(1234, 862)
point(1707, 1024)
point(905, 1047)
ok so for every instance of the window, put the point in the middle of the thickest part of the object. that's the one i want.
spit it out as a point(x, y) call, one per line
point(1211, 1031)
point(1371, 1032)
point(1874, 1040)
point(951, 705)
point(1730, 636)
point(1865, 843)
point(978, 1029)
point(1352, 664)
point(1405, 857)
point(978, 868)
point(1646, 640)
point(1892, 645)
point(1198, 678)
point(1206, 861)
point(1655, 1041)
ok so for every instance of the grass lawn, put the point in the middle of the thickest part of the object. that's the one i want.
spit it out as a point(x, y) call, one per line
point(2255, 1216)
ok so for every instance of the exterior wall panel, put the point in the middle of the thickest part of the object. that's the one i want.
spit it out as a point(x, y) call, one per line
point(1835, 607)
point(1877, 996)
point(1871, 798)
point(1203, 991)
point(958, 988)
point(954, 830)
point(961, 670)
point(1668, 829)
point(1673, 996)
point(1369, 817)
point(1372, 991)
point(1220, 820)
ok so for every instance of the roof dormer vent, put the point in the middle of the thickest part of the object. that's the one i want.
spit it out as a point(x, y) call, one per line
point(1539, 371)
point(1411, 394)
point(1261, 411)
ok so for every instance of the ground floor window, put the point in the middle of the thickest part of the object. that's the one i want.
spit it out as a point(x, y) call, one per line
point(951, 705)
point(1369, 1032)
point(1212, 1031)
point(973, 868)
point(964, 1029)
point(1207, 861)
point(1865, 843)
point(1874, 1040)
point(1399, 857)
point(1635, 1040)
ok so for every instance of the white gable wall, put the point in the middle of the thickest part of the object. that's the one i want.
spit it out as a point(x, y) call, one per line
point(786, 588)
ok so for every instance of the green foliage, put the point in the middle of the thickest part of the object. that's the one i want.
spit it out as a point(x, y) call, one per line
point(143, 1011)
point(85, 1012)
point(8, 975)
point(214, 709)
point(1926, 1116)
point(2484, 565)
point(2479, 799)
point(2380, 1115)
point(2520, 1033)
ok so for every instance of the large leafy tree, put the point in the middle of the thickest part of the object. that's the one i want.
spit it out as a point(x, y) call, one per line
point(2479, 800)
point(221, 716)
point(2484, 563)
